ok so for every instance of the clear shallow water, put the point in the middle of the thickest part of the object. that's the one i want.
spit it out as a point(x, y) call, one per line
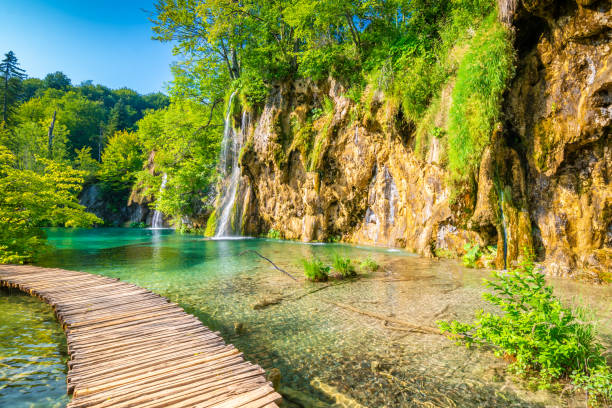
point(322, 350)
point(32, 354)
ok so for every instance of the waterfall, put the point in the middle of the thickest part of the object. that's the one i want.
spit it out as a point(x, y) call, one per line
point(391, 194)
point(504, 226)
point(158, 220)
point(228, 163)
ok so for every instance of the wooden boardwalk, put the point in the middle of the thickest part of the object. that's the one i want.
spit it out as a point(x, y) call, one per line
point(129, 347)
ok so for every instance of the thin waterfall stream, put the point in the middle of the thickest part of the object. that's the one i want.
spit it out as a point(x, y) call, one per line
point(158, 218)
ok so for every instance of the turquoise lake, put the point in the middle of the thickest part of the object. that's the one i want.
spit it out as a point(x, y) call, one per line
point(323, 351)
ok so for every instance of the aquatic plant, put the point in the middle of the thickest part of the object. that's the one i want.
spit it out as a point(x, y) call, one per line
point(344, 266)
point(472, 254)
point(274, 234)
point(545, 341)
point(138, 225)
point(315, 270)
point(369, 264)
point(476, 256)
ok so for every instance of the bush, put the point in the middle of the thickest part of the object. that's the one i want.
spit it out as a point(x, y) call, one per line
point(138, 225)
point(274, 234)
point(476, 256)
point(31, 200)
point(545, 340)
point(315, 270)
point(472, 254)
point(370, 265)
point(344, 266)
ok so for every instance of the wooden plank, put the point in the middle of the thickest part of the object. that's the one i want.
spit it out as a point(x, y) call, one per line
point(132, 348)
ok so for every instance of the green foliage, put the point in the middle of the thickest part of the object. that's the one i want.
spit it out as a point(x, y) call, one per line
point(545, 340)
point(315, 270)
point(211, 225)
point(30, 200)
point(274, 234)
point(138, 225)
point(253, 90)
point(11, 78)
point(84, 162)
point(316, 113)
point(482, 77)
point(370, 265)
point(121, 159)
point(344, 266)
point(472, 254)
point(185, 150)
point(476, 256)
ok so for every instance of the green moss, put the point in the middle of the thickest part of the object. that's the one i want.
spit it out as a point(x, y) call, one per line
point(303, 141)
point(426, 129)
point(211, 225)
point(445, 253)
point(320, 145)
point(274, 234)
point(481, 80)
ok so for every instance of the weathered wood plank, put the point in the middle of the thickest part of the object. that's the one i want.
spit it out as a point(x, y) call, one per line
point(132, 348)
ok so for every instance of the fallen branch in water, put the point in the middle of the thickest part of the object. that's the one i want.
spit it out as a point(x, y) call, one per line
point(273, 264)
point(423, 329)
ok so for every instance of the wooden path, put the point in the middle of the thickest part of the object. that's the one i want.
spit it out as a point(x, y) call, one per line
point(129, 347)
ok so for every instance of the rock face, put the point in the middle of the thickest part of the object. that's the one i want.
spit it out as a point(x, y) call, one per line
point(113, 215)
point(559, 112)
point(354, 176)
point(318, 166)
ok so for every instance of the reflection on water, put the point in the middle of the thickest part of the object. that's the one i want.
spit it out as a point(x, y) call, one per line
point(322, 350)
point(32, 354)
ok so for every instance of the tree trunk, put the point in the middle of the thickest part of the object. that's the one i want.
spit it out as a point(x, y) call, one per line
point(51, 135)
point(235, 64)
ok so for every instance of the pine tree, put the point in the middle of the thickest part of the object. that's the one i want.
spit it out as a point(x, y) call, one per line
point(11, 76)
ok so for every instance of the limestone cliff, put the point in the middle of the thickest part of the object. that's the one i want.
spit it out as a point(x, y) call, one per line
point(319, 166)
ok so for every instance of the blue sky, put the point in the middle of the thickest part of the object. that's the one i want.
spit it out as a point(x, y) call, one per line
point(107, 41)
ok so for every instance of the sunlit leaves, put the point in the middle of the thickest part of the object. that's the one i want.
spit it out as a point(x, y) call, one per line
point(30, 200)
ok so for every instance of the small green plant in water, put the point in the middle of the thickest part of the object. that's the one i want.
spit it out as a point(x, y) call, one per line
point(138, 225)
point(476, 256)
point(274, 234)
point(344, 266)
point(546, 341)
point(369, 265)
point(315, 270)
point(472, 255)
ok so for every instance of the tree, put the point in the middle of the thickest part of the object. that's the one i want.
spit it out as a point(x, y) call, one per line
point(11, 76)
point(31, 200)
point(57, 80)
point(121, 159)
point(79, 115)
point(186, 150)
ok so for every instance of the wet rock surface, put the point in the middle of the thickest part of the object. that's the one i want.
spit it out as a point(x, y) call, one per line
point(559, 112)
point(352, 173)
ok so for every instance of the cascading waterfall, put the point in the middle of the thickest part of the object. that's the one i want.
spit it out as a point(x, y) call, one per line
point(158, 220)
point(230, 152)
point(391, 194)
point(504, 226)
